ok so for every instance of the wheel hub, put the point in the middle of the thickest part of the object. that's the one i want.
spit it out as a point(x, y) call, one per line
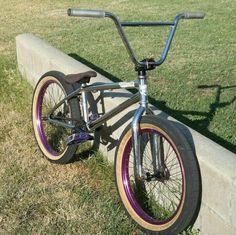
point(160, 175)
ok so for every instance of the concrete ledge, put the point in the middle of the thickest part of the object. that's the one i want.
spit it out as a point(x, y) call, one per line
point(218, 165)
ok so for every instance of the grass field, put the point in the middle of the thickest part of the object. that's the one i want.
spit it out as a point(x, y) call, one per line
point(196, 85)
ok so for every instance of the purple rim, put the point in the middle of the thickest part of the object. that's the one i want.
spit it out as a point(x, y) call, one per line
point(40, 128)
point(128, 189)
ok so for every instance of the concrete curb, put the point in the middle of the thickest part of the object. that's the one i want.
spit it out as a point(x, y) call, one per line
point(218, 165)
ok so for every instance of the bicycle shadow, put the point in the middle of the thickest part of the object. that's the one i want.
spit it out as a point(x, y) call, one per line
point(205, 118)
point(201, 125)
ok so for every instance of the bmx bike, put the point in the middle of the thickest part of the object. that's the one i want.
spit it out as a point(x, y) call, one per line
point(157, 173)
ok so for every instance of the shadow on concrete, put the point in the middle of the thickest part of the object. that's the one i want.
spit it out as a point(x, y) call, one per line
point(201, 125)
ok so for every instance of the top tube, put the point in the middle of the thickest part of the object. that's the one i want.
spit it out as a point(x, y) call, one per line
point(146, 64)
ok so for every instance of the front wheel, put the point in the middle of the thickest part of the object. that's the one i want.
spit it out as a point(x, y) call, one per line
point(167, 199)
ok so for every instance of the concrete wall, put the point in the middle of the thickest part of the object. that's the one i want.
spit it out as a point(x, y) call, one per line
point(218, 165)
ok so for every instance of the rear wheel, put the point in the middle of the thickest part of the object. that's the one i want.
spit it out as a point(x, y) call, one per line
point(52, 138)
point(167, 200)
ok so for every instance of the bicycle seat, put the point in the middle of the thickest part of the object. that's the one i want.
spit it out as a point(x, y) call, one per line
point(80, 77)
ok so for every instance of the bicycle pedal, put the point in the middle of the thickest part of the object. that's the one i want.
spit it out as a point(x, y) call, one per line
point(78, 138)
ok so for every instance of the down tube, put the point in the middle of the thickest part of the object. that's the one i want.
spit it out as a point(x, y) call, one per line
point(98, 122)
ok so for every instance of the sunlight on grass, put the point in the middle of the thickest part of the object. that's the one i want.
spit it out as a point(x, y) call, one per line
point(196, 85)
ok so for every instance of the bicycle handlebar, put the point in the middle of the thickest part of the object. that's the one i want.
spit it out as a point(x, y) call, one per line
point(147, 63)
point(86, 13)
point(100, 14)
point(194, 15)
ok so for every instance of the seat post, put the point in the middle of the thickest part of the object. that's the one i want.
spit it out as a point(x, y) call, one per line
point(85, 104)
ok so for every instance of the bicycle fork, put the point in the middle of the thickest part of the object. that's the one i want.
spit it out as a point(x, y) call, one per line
point(155, 139)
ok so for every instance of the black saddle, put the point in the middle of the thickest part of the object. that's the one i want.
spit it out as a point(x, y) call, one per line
point(80, 77)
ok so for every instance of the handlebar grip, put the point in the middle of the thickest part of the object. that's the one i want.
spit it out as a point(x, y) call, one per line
point(86, 13)
point(194, 15)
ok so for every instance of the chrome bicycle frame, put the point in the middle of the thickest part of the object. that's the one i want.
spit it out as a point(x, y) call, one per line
point(83, 90)
point(141, 96)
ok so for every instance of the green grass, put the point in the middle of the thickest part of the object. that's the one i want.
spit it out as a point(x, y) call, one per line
point(196, 85)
